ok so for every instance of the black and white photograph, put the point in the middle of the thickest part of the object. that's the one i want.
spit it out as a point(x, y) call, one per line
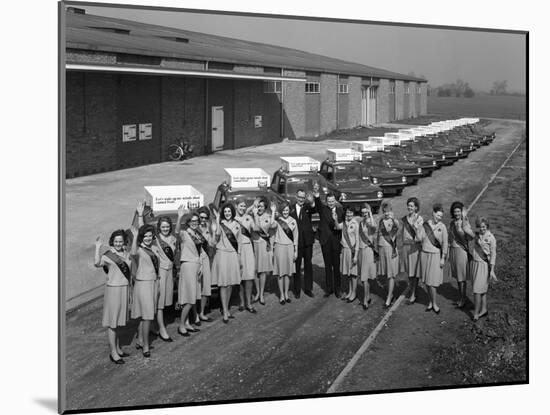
point(263, 207)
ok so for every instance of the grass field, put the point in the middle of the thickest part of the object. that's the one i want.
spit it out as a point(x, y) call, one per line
point(490, 106)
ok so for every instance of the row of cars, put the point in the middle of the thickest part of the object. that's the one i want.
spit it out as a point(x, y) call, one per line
point(368, 171)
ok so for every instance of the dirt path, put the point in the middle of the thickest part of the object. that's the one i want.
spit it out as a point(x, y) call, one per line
point(296, 349)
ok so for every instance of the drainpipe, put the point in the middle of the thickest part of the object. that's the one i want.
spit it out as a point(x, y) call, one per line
point(206, 112)
point(337, 101)
point(282, 105)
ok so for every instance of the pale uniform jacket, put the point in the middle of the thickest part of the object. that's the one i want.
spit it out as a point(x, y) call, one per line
point(246, 221)
point(406, 237)
point(488, 245)
point(145, 269)
point(381, 240)
point(115, 277)
point(369, 231)
point(440, 232)
point(352, 228)
point(165, 263)
point(280, 236)
point(224, 244)
point(189, 251)
point(466, 226)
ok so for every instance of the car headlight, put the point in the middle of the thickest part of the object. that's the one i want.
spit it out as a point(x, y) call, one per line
point(419, 170)
point(443, 157)
point(379, 195)
point(374, 180)
point(325, 190)
point(434, 163)
point(404, 179)
point(461, 151)
point(343, 196)
point(456, 153)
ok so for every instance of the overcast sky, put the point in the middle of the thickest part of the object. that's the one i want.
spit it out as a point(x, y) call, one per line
point(440, 55)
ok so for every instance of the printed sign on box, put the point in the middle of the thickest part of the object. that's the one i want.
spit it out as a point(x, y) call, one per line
point(146, 131)
point(295, 164)
point(247, 178)
point(343, 154)
point(170, 198)
point(129, 133)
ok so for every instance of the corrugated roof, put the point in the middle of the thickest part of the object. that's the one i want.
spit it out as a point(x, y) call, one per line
point(89, 32)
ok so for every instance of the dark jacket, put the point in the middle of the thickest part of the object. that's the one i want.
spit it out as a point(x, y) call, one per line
point(327, 231)
point(306, 234)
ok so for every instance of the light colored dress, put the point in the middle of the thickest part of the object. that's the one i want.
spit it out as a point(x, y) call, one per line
point(146, 286)
point(206, 282)
point(284, 247)
point(225, 269)
point(432, 273)
point(115, 301)
point(166, 272)
point(366, 264)
point(410, 253)
point(484, 253)
point(246, 247)
point(262, 237)
point(350, 249)
point(189, 286)
point(458, 255)
point(388, 264)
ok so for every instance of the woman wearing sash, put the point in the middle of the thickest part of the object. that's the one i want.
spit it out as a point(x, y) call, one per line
point(410, 254)
point(207, 253)
point(246, 256)
point(226, 268)
point(388, 263)
point(189, 286)
point(460, 232)
point(146, 286)
point(166, 242)
point(433, 236)
point(350, 251)
point(264, 225)
point(368, 254)
point(482, 265)
point(285, 250)
point(116, 264)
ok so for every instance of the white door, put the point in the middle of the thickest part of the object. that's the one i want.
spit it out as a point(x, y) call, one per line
point(364, 95)
point(217, 128)
point(371, 118)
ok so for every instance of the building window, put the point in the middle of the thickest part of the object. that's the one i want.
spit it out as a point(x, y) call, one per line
point(418, 90)
point(312, 87)
point(392, 89)
point(407, 90)
point(343, 89)
point(272, 87)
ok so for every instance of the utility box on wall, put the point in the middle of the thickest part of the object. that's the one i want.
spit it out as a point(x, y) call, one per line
point(146, 131)
point(257, 121)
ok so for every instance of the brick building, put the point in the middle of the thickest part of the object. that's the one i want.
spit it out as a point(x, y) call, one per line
point(132, 89)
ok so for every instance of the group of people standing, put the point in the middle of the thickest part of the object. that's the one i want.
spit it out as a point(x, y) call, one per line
point(240, 245)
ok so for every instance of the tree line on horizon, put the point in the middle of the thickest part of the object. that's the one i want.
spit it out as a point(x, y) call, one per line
point(459, 88)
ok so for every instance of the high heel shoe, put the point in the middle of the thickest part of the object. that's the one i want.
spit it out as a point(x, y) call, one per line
point(282, 301)
point(207, 319)
point(262, 302)
point(147, 354)
point(124, 354)
point(183, 334)
point(429, 308)
point(390, 303)
point(288, 300)
point(225, 320)
point(116, 362)
point(351, 300)
point(365, 307)
point(140, 346)
point(437, 311)
point(167, 339)
point(192, 330)
point(251, 309)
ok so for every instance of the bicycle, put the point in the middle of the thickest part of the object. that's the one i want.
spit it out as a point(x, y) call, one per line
point(181, 151)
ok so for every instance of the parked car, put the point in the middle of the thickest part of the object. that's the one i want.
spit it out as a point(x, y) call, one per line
point(421, 149)
point(426, 163)
point(410, 170)
point(390, 180)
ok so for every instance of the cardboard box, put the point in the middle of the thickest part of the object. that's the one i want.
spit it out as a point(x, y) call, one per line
point(170, 198)
point(364, 146)
point(300, 164)
point(343, 154)
point(247, 178)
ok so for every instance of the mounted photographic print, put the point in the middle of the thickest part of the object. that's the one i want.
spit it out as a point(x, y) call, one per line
point(323, 209)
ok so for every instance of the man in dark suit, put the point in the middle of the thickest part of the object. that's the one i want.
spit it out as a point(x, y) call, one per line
point(301, 211)
point(329, 237)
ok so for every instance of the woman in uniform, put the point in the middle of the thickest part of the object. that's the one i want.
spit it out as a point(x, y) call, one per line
point(246, 256)
point(166, 243)
point(460, 233)
point(433, 236)
point(189, 285)
point(368, 253)
point(207, 253)
point(482, 266)
point(285, 250)
point(388, 263)
point(263, 229)
point(146, 287)
point(226, 267)
point(410, 254)
point(350, 251)
point(116, 264)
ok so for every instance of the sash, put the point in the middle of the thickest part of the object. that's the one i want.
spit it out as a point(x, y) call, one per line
point(121, 264)
point(368, 242)
point(390, 238)
point(346, 236)
point(409, 227)
point(480, 250)
point(286, 229)
point(167, 249)
point(460, 240)
point(154, 258)
point(199, 240)
point(430, 234)
point(265, 237)
point(231, 236)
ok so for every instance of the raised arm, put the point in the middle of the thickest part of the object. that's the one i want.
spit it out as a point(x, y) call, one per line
point(133, 250)
point(139, 209)
point(466, 227)
point(97, 257)
point(492, 257)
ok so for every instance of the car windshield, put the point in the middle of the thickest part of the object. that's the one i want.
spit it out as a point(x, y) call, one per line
point(348, 172)
point(293, 184)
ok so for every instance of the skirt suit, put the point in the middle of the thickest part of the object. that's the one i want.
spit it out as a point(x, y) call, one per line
point(189, 286)
point(366, 265)
point(146, 286)
point(246, 247)
point(458, 257)
point(284, 247)
point(166, 274)
point(410, 253)
point(263, 249)
point(430, 257)
point(388, 264)
point(226, 269)
point(115, 300)
point(351, 229)
point(483, 256)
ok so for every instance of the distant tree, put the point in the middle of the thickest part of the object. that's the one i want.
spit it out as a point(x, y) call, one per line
point(469, 92)
point(499, 87)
